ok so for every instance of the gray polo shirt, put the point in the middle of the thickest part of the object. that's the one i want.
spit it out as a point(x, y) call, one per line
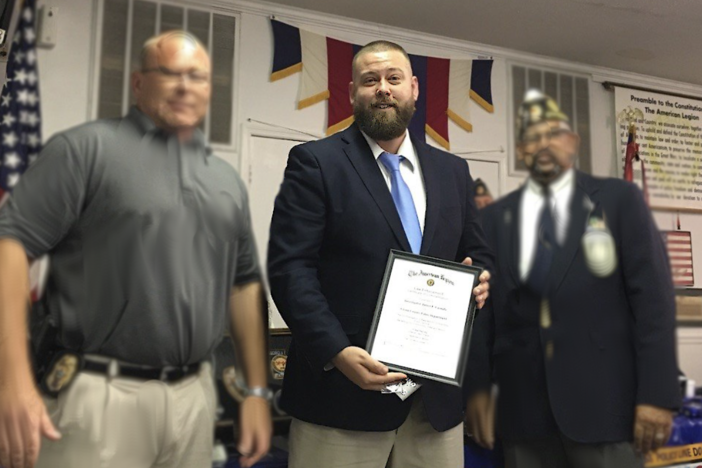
point(146, 235)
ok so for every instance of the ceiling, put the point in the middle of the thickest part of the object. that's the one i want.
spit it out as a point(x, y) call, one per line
point(650, 37)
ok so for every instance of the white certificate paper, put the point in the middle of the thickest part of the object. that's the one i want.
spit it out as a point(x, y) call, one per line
point(424, 317)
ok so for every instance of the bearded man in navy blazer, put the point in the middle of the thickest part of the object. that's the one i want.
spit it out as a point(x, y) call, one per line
point(345, 202)
point(580, 335)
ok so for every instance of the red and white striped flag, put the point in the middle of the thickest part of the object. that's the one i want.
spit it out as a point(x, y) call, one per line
point(679, 246)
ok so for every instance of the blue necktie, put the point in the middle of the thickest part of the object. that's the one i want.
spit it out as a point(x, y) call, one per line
point(404, 203)
point(545, 249)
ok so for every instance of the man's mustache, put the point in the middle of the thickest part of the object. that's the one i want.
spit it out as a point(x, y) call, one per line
point(545, 152)
point(387, 102)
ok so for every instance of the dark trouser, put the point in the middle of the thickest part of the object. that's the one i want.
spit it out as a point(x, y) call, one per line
point(558, 451)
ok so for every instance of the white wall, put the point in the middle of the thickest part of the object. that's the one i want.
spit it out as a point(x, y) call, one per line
point(65, 72)
point(66, 79)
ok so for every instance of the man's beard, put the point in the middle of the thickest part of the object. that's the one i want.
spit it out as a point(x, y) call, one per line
point(545, 177)
point(383, 125)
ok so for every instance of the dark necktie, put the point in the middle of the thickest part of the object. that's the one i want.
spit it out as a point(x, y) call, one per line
point(546, 245)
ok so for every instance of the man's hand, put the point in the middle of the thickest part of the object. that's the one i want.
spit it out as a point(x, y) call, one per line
point(480, 419)
point(652, 427)
point(481, 201)
point(249, 332)
point(23, 421)
point(482, 291)
point(361, 369)
point(256, 430)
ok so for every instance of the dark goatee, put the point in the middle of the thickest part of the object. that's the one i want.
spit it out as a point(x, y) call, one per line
point(542, 177)
point(383, 125)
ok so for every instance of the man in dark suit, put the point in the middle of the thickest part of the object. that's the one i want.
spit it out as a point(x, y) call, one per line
point(345, 202)
point(581, 331)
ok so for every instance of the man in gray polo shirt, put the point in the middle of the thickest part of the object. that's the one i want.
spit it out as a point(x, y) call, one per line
point(152, 255)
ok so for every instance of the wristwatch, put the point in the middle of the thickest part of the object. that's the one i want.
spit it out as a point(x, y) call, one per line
point(261, 392)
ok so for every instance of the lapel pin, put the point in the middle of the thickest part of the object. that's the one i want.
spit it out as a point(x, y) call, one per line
point(599, 248)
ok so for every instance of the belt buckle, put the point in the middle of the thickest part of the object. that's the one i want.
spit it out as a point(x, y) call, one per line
point(185, 369)
point(114, 369)
point(164, 375)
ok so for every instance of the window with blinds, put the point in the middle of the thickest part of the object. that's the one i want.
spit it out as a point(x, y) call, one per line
point(573, 96)
point(127, 24)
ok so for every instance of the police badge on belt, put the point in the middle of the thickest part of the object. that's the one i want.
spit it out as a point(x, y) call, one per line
point(60, 373)
point(598, 246)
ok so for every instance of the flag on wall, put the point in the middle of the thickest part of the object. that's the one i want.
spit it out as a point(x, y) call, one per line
point(480, 86)
point(20, 128)
point(20, 120)
point(289, 60)
point(679, 246)
point(446, 85)
point(631, 155)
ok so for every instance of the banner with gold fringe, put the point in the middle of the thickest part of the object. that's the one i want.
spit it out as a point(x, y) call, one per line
point(446, 85)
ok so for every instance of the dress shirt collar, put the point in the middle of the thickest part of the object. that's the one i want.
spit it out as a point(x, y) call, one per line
point(406, 149)
point(146, 126)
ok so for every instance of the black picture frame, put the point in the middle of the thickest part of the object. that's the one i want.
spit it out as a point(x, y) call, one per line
point(468, 324)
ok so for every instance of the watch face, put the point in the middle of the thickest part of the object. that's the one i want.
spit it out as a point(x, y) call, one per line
point(260, 392)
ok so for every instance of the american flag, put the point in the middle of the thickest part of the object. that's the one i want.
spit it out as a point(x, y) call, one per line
point(20, 119)
point(20, 128)
point(679, 246)
point(632, 154)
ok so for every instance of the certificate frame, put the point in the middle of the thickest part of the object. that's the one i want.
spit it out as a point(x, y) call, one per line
point(467, 323)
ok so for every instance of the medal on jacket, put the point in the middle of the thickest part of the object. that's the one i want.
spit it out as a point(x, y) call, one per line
point(598, 247)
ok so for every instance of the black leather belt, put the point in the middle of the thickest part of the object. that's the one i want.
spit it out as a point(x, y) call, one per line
point(166, 374)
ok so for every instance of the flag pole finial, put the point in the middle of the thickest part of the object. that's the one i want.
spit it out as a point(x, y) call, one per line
point(630, 116)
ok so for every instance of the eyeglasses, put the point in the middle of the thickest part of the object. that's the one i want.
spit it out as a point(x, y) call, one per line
point(171, 76)
point(554, 133)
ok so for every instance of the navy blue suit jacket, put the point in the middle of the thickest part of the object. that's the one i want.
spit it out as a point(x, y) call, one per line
point(613, 338)
point(333, 226)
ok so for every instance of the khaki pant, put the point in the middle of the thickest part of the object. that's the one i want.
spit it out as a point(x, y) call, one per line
point(128, 423)
point(558, 451)
point(415, 444)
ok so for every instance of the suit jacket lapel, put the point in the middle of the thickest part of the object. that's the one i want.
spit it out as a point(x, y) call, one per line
point(432, 188)
point(362, 159)
point(510, 234)
point(580, 208)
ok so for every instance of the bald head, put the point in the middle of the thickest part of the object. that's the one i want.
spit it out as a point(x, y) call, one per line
point(170, 42)
point(173, 86)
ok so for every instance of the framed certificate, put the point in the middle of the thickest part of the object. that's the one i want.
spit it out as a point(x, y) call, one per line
point(424, 317)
